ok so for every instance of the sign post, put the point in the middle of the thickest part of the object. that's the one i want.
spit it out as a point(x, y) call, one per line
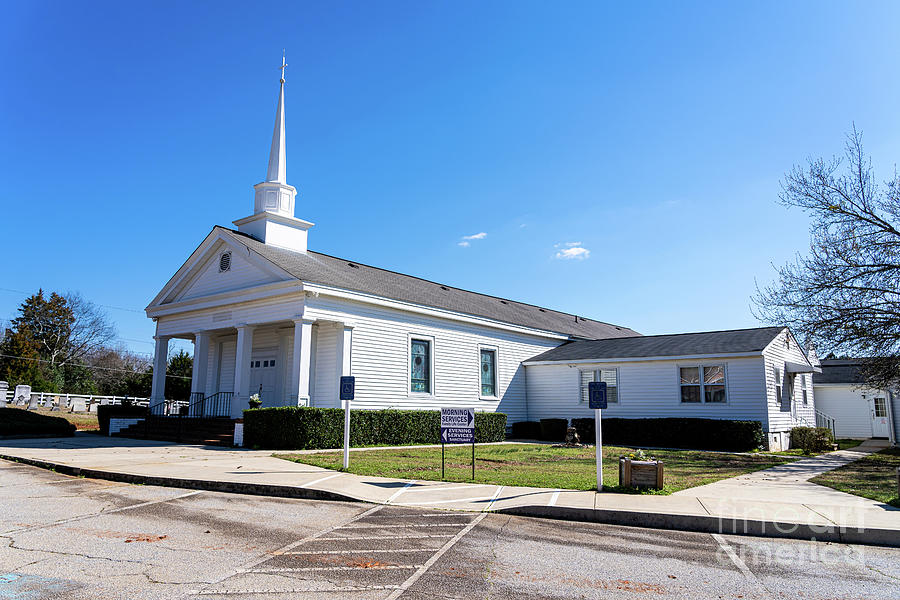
point(597, 401)
point(348, 390)
point(457, 427)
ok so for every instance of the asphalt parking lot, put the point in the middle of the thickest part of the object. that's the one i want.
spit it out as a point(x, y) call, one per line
point(72, 538)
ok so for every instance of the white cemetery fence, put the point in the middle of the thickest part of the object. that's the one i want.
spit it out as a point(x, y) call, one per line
point(64, 402)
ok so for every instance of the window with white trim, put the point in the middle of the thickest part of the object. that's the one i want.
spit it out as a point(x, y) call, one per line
point(702, 384)
point(803, 389)
point(778, 390)
point(610, 376)
point(488, 372)
point(420, 366)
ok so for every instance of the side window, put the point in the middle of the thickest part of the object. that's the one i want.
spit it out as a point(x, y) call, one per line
point(420, 366)
point(703, 384)
point(488, 372)
point(779, 397)
point(803, 389)
point(610, 376)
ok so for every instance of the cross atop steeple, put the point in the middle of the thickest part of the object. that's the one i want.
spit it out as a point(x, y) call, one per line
point(283, 65)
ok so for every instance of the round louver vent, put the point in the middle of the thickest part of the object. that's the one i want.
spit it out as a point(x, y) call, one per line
point(225, 262)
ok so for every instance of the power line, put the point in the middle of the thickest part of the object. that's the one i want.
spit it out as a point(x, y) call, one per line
point(88, 366)
point(133, 310)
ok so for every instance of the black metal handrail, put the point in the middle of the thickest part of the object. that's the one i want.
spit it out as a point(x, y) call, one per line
point(215, 406)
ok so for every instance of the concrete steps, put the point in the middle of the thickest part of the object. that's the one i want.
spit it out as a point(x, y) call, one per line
point(210, 432)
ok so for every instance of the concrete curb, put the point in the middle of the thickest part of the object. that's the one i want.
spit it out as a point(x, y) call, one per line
point(671, 521)
point(209, 485)
point(711, 524)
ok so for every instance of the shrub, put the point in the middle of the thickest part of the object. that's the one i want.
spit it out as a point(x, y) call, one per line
point(554, 430)
point(107, 411)
point(812, 439)
point(17, 421)
point(585, 429)
point(303, 428)
point(689, 433)
point(526, 430)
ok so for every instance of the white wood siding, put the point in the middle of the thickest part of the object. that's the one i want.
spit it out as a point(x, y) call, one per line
point(242, 274)
point(648, 389)
point(326, 388)
point(785, 349)
point(851, 412)
point(229, 316)
point(380, 358)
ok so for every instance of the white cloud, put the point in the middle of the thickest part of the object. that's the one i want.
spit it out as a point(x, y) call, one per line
point(465, 243)
point(572, 250)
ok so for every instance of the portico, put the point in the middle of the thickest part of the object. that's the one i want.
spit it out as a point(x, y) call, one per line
point(297, 362)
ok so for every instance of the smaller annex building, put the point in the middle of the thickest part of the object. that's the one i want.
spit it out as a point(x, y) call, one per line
point(759, 374)
point(858, 411)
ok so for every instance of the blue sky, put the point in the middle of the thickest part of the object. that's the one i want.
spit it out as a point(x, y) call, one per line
point(651, 137)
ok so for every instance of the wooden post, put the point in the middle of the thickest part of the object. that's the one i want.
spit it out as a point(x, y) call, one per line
point(659, 475)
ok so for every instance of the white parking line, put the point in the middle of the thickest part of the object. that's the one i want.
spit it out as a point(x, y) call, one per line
point(292, 591)
point(406, 526)
point(379, 551)
point(312, 483)
point(342, 568)
point(437, 555)
point(398, 492)
point(493, 499)
point(382, 537)
point(554, 498)
point(742, 567)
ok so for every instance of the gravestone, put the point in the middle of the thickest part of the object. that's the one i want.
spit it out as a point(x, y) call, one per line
point(22, 395)
point(93, 407)
point(78, 405)
point(34, 402)
point(4, 392)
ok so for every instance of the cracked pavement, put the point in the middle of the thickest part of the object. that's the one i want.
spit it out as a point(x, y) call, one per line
point(73, 538)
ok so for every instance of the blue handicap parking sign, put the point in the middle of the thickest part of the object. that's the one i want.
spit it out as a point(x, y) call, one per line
point(348, 387)
point(597, 394)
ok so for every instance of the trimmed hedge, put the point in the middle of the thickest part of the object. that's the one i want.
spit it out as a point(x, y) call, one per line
point(688, 433)
point(303, 428)
point(17, 421)
point(812, 439)
point(106, 411)
point(526, 430)
point(554, 430)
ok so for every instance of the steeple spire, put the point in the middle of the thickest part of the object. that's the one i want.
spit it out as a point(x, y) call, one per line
point(277, 171)
point(273, 221)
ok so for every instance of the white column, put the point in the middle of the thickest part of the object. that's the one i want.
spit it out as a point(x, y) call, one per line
point(299, 391)
point(241, 398)
point(200, 366)
point(344, 349)
point(160, 360)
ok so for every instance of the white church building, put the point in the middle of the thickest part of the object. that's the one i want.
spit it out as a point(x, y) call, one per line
point(268, 315)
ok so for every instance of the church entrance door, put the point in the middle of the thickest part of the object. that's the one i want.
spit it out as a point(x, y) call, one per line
point(262, 379)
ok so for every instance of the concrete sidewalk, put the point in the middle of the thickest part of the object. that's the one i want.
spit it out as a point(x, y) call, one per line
point(826, 515)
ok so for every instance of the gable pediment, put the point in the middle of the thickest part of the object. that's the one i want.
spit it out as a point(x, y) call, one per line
point(204, 273)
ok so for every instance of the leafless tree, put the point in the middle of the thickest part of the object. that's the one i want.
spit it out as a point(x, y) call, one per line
point(844, 295)
point(91, 330)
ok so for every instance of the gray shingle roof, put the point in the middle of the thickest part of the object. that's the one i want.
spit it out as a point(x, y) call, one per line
point(314, 267)
point(840, 371)
point(679, 344)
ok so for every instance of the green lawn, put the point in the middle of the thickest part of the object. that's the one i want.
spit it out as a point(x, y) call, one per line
point(843, 444)
point(873, 476)
point(536, 465)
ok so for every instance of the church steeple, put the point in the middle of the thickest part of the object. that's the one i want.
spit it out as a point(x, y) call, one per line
point(277, 156)
point(273, 219)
